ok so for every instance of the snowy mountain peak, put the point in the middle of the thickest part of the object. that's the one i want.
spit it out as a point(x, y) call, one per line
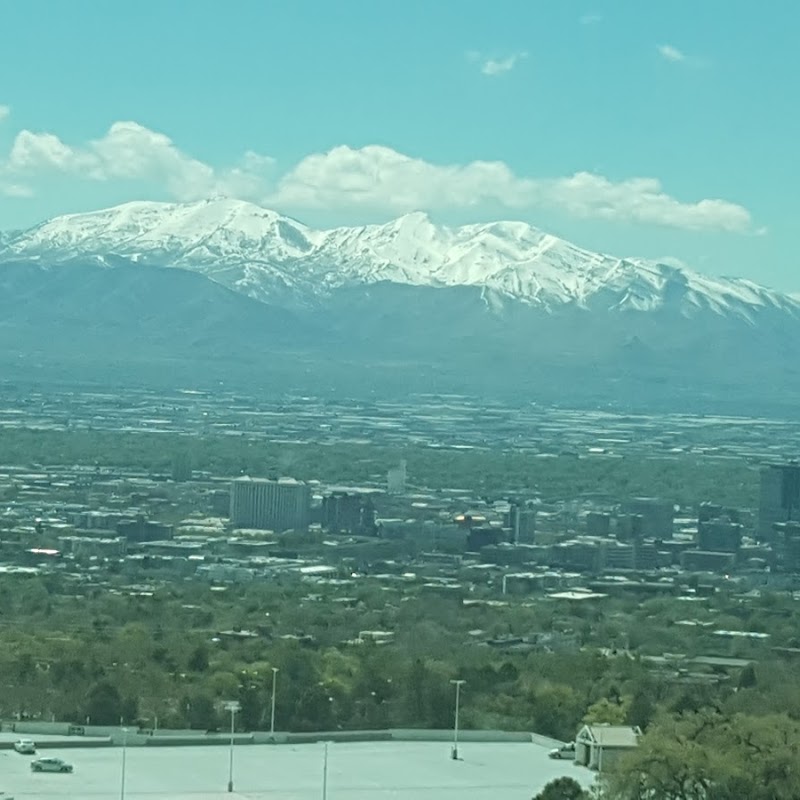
point(172, 220)
point(413, 218)
point(208, 232)
point(268, 256)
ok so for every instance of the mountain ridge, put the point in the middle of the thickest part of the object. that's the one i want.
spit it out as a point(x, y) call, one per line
point(277, 259)
point(223, 291)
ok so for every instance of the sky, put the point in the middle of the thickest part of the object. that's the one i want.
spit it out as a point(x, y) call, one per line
point(659, 130)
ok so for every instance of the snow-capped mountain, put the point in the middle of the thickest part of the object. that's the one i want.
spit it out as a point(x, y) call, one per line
point(223, 290)
point(273, 258)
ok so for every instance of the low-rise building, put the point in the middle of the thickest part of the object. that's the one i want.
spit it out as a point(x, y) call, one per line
point(596, 746)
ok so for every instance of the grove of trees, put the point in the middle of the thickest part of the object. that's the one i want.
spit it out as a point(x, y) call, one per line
point(711, 755)
point(173, 654)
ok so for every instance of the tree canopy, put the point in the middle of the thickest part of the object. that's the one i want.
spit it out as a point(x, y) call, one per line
point(564, 788)
point(708, 755)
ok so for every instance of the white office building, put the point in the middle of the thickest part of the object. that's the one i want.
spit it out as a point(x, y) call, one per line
point(276, 505)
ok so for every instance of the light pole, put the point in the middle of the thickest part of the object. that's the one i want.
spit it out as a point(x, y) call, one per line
point(458, 684)
point(272, 712)
point(325, 773)
point(124, 760)
point(233, 706)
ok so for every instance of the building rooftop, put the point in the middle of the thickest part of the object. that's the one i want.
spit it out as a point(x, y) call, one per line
point(373, 771)
point(611, 735)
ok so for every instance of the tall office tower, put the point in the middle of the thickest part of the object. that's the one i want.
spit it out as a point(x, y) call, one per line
point(779, 500)
point(346, 512)
point(522, 523)
point(270, 505)
point(657, 515)
point(787, 546)
point(719, 536)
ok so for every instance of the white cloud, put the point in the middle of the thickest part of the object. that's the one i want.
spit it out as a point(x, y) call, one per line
point(675, 56)
point(671, 53)
point(643, 200)
point(496, 66)
point(34, 152)
point(16, 190)
point(379, 177)
point(590, 19)
point(358, 179)
point(129, 151)
point(5, 112)
point(493, 67)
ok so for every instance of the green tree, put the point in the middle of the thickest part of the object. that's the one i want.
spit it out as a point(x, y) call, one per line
point(104, 704)
point(200, 712)
point(313, 710)
point(605, 711)
point(747, 678)
point(251, 697)
point(129, 709)
point(564, 788)
point(641, 708)
point(708, 756)
point(557, 710)
point(427, 695)
point(198, 660)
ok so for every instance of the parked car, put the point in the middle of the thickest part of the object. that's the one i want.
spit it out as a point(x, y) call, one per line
point(565, 751)
point(26, 746)
point(50, 765)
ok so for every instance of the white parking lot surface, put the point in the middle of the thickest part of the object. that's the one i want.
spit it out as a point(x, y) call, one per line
point(363, 771)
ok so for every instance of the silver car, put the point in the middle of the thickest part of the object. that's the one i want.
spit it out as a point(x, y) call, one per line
point(26, 746)
point(565, 751)
point(50, 765)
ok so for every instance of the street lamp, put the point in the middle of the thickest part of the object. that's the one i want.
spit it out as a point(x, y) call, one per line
point(124, 760)
point(272, 713)
point(233, 706)
point(458, 684)
point(325, 772)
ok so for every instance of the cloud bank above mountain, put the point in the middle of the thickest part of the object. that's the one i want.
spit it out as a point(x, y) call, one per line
point(373, 177)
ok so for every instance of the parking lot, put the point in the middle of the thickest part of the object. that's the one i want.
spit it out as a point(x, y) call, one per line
point(363, 771)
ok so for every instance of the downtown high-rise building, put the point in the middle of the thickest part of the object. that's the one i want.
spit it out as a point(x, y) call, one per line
point(276, 505)
point(779, 498)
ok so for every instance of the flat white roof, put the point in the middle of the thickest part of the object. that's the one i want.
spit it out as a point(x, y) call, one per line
point(356, 771)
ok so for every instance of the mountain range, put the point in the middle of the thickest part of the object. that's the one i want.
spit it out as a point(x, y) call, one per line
point(223, 286)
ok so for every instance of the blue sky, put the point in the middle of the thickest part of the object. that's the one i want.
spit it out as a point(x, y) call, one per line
point(636, 128)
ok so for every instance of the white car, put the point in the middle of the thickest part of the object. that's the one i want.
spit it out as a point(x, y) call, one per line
point(565, 751)
point(50, 765)
point(26, 746)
